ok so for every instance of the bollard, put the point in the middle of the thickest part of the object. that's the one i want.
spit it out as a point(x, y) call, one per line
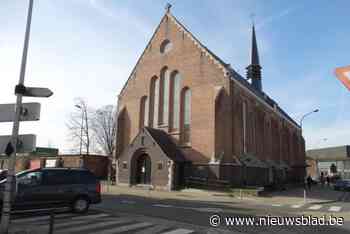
point(240, 193)
point(52, 221)
point(304, 196)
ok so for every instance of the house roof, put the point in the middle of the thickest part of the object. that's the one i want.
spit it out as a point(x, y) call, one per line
point(225, 67)
point(166, 144)
point(331, 153)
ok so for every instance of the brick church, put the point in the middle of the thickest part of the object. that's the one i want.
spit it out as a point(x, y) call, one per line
point(184, 115)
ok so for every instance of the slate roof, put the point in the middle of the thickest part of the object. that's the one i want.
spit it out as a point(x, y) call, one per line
point(331, 153)
point(166, 144)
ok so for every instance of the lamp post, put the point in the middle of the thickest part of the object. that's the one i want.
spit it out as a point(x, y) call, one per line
point(81, 127)
point(307, 114)
point(301, 127)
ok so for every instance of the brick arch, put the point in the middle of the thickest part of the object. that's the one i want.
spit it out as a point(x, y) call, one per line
point(133, 164)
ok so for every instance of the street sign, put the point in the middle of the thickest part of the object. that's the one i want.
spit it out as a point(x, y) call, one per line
point(30, 112)
point(37, 92)
point(343, 74)
point(26, 143)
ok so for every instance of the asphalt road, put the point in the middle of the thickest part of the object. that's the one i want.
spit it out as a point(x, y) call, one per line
point(198, 213)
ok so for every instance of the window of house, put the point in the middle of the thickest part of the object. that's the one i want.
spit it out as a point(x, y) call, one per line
point(244, 119)
point(160, 165)
point(166, 46)
point(154, 102)
point(186, 129)
point(125, 165)
point(165, 97)
point(176, 101)
point(144, 106)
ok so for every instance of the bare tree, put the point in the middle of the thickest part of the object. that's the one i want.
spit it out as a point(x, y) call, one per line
point(78, 126)
point(104, 129)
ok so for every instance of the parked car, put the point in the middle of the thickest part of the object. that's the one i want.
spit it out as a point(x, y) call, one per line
point(43, 188)
point(3, 174)
point(342, 185)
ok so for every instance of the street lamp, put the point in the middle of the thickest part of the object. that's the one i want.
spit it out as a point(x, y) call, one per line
point(303, 117)
point(301, 127)
point(81, 127)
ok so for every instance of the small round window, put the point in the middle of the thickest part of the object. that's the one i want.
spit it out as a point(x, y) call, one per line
point(166, 46)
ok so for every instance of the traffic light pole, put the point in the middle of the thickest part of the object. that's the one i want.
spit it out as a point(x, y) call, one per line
point(10, 184)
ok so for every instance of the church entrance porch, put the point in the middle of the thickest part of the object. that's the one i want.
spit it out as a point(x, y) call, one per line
point(143, 169)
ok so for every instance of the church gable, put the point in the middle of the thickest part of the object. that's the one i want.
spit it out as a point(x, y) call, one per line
point(171, 43)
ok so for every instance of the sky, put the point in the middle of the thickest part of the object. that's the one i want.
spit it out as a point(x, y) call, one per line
point(87, 49)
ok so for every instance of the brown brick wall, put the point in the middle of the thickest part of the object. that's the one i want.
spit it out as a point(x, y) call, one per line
point(214, 129)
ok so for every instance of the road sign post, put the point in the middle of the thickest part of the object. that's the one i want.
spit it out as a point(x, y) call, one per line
point(6, 209)
point(28, 112)
point(25, 143)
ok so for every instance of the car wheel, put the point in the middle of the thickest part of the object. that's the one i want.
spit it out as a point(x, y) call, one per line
point(81, 205)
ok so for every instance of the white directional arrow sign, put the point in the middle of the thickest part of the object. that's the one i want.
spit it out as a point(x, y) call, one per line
point(30, 112)
point(37, 92)
point(26, 143)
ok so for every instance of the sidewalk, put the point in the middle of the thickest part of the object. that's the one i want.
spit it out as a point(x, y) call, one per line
point(291, 196)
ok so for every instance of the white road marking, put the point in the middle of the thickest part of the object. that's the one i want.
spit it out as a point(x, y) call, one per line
point(297, 206)
point(179, 231)
point(126, 228)
point(86, 227)
point(154, 229)
point(335, 208)
point(33, 219)
point(214, 210)
point(128, 202)
point(315, 207)
point(162, 205)
point(90, 216)
point(276, 205)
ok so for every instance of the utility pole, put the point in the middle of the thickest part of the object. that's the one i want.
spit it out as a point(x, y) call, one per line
point(9, 186)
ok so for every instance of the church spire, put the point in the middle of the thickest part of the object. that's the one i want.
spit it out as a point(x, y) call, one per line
point(255, 53)
point(254, 69)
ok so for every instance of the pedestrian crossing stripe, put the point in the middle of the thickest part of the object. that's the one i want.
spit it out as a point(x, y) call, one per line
point(276, 205)
point(297, 206)
point(127, 228)
point(67, 223)
point(315, 207)
point(335, 208)
point(179, 231)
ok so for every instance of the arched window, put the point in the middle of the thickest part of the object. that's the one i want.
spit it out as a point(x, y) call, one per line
point(244, 126)
point(123, 131)
point(144, 112)
point(166, 46)
point(186, 115)
point(220, 126)
point(154, 102)
point(175, 101)
point(164, 116)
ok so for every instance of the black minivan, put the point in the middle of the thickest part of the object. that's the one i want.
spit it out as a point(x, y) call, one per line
point(43, 188)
